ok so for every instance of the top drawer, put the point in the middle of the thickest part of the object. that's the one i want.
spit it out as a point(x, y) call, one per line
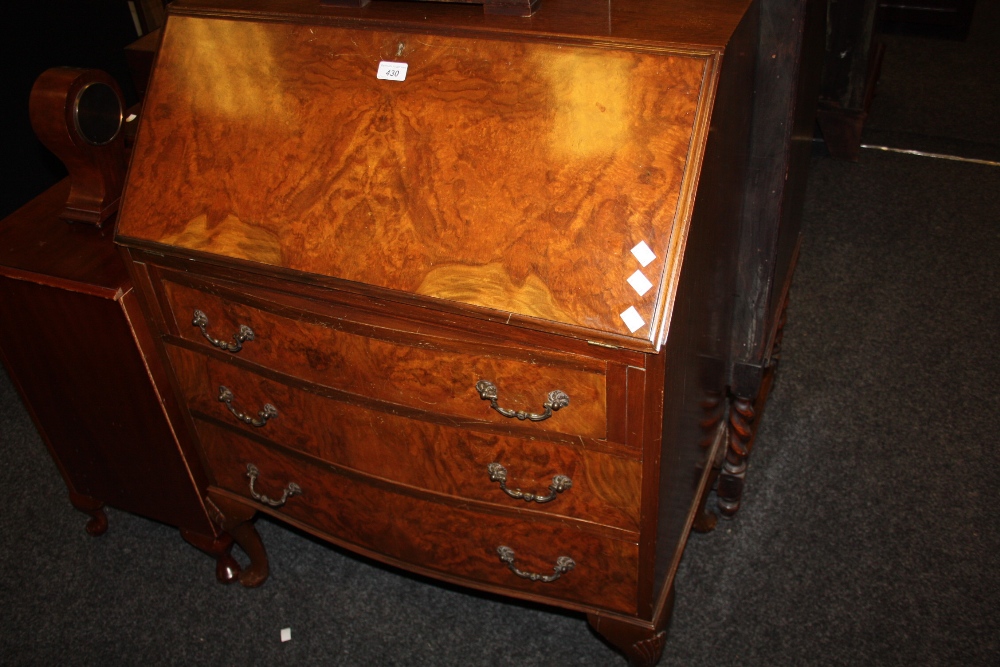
point(395, 365)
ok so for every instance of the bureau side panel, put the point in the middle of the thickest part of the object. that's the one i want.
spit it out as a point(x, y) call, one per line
point(699, 339)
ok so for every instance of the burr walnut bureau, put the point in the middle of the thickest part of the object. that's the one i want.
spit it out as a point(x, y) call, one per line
point(450, 289)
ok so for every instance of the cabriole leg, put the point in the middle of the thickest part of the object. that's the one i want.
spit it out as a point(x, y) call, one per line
point(235, 518)
point(98, 524)
point(227, 570)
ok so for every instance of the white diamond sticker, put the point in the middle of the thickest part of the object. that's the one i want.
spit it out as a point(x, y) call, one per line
point(643, 253)
point(633, 320)
point(391, 71)
point(639, 282)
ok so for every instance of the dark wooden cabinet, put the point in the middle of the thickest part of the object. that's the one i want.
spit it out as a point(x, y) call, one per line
point(473, 318)
point(73, 337)
point(71, 340)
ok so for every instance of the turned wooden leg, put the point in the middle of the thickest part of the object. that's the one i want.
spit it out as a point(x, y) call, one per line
point(713, 407)
point(235, 518)
point(227, 570)
point(98, 524)
point(705, 519)
point(734, 468)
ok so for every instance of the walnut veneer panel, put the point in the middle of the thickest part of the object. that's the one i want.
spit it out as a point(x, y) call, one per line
point(449, 539)
point(426, 373)
point(446, 458)
point(514, 176)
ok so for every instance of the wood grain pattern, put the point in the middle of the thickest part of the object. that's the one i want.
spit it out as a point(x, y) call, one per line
point(449, 459)
point(422, 533)
point(509, 175)
point(422, 373)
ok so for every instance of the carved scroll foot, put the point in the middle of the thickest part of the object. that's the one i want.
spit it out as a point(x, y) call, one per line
point(734, 468)
point(98, 524)
point(227, 570)
point(642, 646)
point(235, 519)
point(641, 642)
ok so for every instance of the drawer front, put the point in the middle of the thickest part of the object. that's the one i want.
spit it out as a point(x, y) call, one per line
point(423, 372)
point(416, 530)
point(435, 456)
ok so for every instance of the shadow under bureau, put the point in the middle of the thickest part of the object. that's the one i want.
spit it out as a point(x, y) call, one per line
point(453, 291)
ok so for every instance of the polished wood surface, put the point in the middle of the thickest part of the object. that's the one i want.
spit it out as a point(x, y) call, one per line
point(36, 244)
point(406, 527)
point(96, 164)
point(433, 454)
point(444, 193)
point(429, 373)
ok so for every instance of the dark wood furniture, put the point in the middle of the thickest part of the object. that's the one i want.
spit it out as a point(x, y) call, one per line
point(851, 66)
point(504, 7)
point(475, 322)
point(72, 341)
point(938, 18)
point(789, 64)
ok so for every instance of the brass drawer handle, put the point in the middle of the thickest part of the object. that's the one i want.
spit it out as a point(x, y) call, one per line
point(559, 484)
point(563, 565)
point(244, 334)
point(269, 411)
point(488, 392)
point(292, 489)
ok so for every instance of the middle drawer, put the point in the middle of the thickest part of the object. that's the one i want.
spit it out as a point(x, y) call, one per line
point(436, 455)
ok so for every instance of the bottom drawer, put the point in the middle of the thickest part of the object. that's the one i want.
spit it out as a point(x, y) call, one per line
point(401, 524)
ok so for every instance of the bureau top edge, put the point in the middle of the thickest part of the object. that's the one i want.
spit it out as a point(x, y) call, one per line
point(699, 25)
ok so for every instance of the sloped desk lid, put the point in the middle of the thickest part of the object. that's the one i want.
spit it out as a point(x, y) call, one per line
point(513, 176)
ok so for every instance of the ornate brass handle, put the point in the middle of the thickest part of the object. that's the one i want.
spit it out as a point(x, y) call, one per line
point(559, 484)
point(244, 334)
point(488, 392)
point(292, 489)
point(563, 565)
point(269, 411)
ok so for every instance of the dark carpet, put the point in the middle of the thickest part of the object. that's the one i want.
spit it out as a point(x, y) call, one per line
point(867, 535)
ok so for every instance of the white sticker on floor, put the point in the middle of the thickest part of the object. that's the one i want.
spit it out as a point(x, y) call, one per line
point(286, 634)
point(639, 282)
point(633, 320)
